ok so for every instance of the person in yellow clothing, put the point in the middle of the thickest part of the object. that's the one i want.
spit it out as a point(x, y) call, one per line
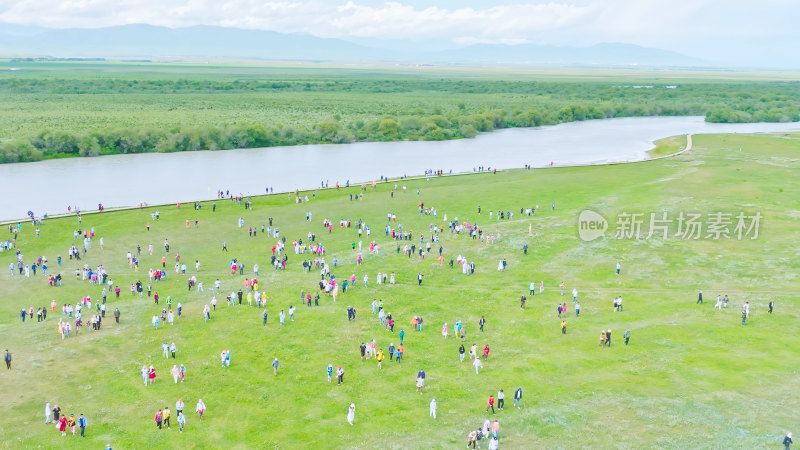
point(71, 423)
point(165, 416)
point(379, 357)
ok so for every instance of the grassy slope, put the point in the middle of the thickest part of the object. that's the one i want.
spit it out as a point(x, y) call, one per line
point(692, 377)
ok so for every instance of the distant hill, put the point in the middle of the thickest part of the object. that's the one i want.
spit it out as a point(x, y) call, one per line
point(147, 41)
point(601, 54)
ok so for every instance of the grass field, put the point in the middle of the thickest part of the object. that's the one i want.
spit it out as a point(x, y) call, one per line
point(66, 109)
point(692, 376)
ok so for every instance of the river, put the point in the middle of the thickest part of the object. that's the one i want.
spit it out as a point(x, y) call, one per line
point(127, 180)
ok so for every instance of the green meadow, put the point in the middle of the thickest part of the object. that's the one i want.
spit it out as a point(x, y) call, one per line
point(692, 377)
point(68, 109)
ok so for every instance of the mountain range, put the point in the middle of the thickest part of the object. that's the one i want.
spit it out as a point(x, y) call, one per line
point(154, 42)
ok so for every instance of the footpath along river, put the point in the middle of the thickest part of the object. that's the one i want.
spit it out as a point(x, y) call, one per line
point(126, 180)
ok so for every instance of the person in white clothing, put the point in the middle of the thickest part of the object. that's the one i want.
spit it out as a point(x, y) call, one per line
point(478, 365)
point(433, 408)
point(351, 413)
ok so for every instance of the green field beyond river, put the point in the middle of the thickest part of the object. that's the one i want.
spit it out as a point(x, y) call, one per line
point(692, 376)
point(69, 109)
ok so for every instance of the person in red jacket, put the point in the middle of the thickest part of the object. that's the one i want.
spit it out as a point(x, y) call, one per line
point(159, 417)
point(491, 403)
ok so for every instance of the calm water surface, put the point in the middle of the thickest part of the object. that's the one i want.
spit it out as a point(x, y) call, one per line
point(127, 180)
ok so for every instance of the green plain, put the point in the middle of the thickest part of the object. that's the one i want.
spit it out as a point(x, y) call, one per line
point(692, 376)
point(56, 109)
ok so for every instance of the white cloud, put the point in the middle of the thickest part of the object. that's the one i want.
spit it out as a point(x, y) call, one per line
point(692, 26)
point(389, 20)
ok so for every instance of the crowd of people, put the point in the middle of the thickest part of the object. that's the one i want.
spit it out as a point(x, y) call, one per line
point(329, 286)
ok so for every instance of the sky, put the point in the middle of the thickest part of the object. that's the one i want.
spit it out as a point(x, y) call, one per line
point(753, 31)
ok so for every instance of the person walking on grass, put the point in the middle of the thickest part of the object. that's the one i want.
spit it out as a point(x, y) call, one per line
point(490, 404)
point(461, 352)
point(47, 411)
point(339, 375)
point(518, 397)
point(275, 364)
point(7, 358)
point(477, 364)
point(627, 336)
point(432, 409)
point(563, 327)
point(351, 413)
point(699, 298)
point(501, 400)
point(158, 419)
point(200, 409)
point(181, 421)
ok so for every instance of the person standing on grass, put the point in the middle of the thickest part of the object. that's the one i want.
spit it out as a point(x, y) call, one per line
point(771, 305)
point(699, 298)
point(482, 322)
point(563, 327)
point(461, 352)
point(490, 404)
point(577, 309)
point(7, 358)
point(787, 441)
point(351, 413)
point(477, 364)
point(62, 425)
point(339, 375)
point(181, 421)
point(175, 373)
point(158, 419)
point(432, 409)
point(501, 400)
point(179, 406)
point(201, 408)
point(627, 336)
point(47, 412)
point(420, 380)
point(275, 364)
point(619, 267)
point(165, 414)
point(518, 397)
point(608, 337)
point(329, 371)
